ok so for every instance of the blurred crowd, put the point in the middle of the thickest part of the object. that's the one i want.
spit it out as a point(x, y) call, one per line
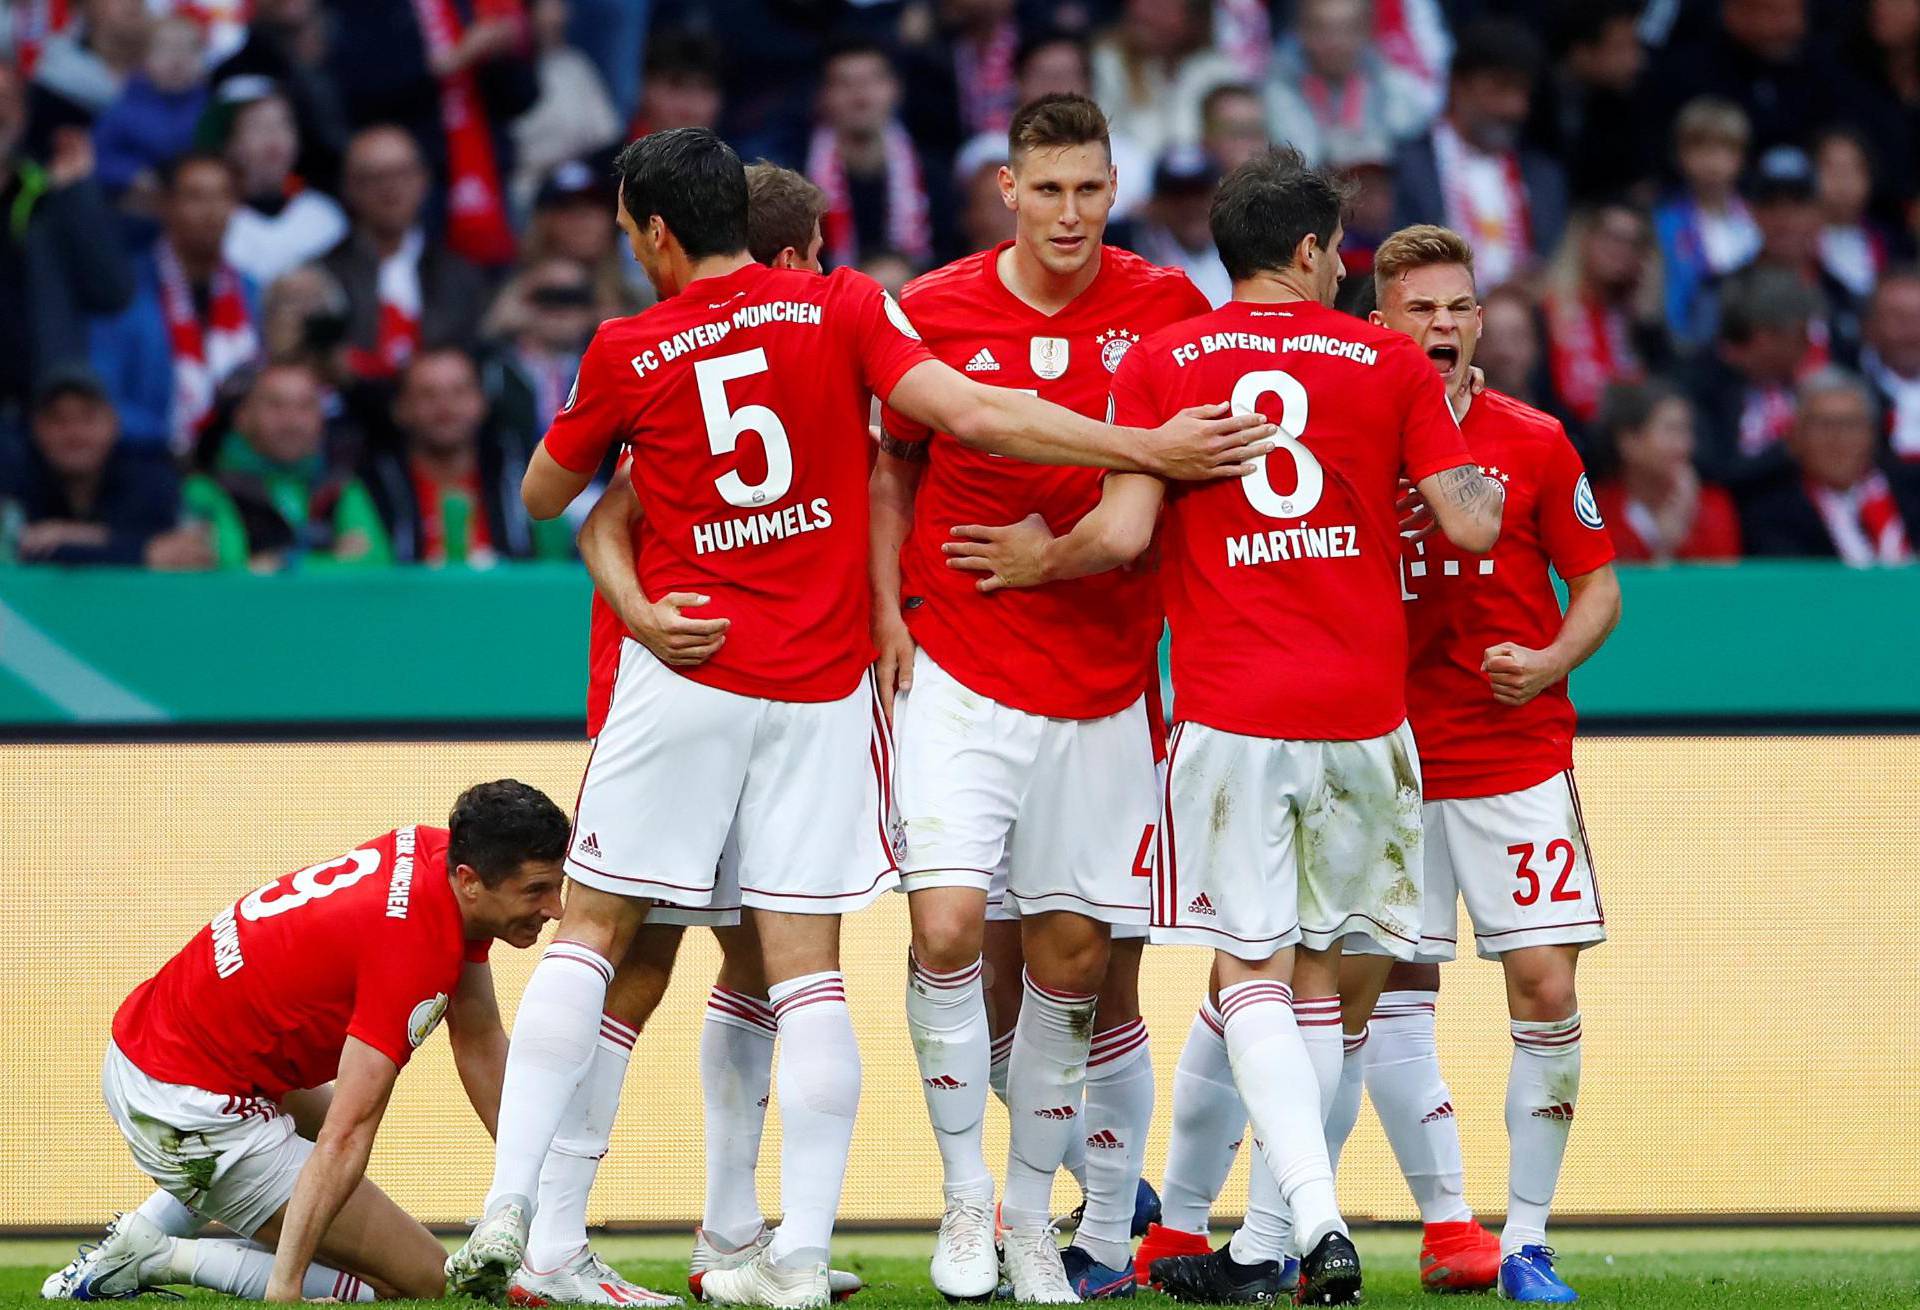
point(297, 283)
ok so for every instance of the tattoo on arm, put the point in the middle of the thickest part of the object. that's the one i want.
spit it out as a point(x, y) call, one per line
point(914, 452)
point(1470, 490)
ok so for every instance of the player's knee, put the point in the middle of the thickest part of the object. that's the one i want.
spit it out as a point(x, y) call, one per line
point(1070, 963)
point(1405, 976)
point(946, 938)
point(1542, 992)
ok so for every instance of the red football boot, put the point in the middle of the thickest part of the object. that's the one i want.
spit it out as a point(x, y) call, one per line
point(1161, 1242)
point(1459, 1257)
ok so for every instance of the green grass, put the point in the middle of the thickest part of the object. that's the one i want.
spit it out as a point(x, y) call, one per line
point(1631, 1268)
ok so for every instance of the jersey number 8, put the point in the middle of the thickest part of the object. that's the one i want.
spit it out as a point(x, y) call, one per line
point(1309, 479)
point(725, 425)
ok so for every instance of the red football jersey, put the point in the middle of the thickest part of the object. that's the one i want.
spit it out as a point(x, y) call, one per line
point(1282, 588)
point(745, 399)
point(1458, 605)
point(262, 1000)
point(1072, 650)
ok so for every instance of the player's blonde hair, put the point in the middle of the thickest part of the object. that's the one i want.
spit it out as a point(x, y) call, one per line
point(1059, 119)
point(1421, 246)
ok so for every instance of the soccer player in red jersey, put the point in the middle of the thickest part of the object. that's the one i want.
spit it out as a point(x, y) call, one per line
point(761, 775)
point(336, 973)
point(1291, 812)
point(1025, 747)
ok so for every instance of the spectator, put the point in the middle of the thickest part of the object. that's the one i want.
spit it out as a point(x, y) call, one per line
point(404, 290)
point(1470, 171)
point(82, 70)
point(1334, 95)
point(303, 318)
point(613, 33)
point(194, 320)
point(1595, 118)
point(957, 59)
point(1177, 232)
point(152, 119)
point(1742, 390)
point(451, 495)
point(280, 223)
point(1650, 497)
point(865, 162)
point(891, 269)
point(986, 219)
point(1787, 211)
point(1891, 361)
point(1152, 69)
point(60, 258)
point(1880, 96)
point(1602, 314)
point(573, 219)
point(287, 44)
point(1511, 351)
point(682, 84)
point(1243, 31)
point(1057, 63)
point(1369, 216)
point(1705, 230)
point(546, 317)
point(573, 115)
point(85, 499)
point(1760, 57)
point(270, 501)
point(1838, 504)
point(1233, 125)
point(1853, 249)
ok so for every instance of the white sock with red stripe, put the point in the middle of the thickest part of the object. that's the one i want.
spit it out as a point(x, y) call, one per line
point(554, 1036)
point(1319, 1020)
point(1415, 1105)
point(1114, 1136)
point(1208, 1122)
point(998, 1054)
point(947, 1018)
point(1541, 1091)
point(819, 1094)
point(736, 1075)
point(1046, 1083)
point(170, 1215)
point(1345, 1110)
point(559, 1230)
point(1272, 1070)
point(225, 1264)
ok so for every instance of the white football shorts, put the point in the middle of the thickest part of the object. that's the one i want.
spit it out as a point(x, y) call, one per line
point(230, 1158)
point(1268, 843)
point(703, 801)
point(1041, 813)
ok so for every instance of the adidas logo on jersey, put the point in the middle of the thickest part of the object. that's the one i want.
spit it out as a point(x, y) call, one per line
point(1200, 904)
point(590, 845)
point(1104, 1140)
point(983, 362)
point(944, 1082)
point(1561, 1113)
point(1058, 1112)
point(1442, 1111)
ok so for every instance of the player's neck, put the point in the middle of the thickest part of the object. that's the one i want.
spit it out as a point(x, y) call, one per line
point(1034, 284)
point(1270, 287)
point(1461, 399)
point(688, 271)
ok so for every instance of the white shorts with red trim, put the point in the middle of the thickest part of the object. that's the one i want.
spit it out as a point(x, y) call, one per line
point(1520, 861)
point(1267, 843)
point(1040, 813)
point(703, 801)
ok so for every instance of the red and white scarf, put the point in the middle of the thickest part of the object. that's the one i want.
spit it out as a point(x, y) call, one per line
point(477, 224)
point(1588, 346)
point(1413, 36)
point(1765, 419)
point(984, 70)
point(1486, 203)
point(32, 23)
point(907, 230)
point(1864, 521)
point(397, 329)
point(204, 354)
point(1243, 30)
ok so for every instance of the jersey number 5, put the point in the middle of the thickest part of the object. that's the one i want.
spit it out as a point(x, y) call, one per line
point(1308, 478)
point(725, 425)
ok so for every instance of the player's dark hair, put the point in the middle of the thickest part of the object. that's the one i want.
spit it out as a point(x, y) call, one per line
point(1059, 119)
point(171, 170)
point(1496, 46)
point(498, 826)
point(783, 208)
point(1266, 207)
point(694, 182)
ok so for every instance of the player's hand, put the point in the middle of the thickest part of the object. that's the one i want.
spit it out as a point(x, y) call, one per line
point(1518, 674)
point(284, 1293)
point(893, 668)
point(673, 637)
point(1416, 516)
point(1012, 556)
point(1476, 380)
point(1209, 441)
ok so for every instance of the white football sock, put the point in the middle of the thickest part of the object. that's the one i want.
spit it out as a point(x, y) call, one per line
point(1273, 1072)
point(1415, 1105)
point(999, 1053)
point(1046, 1083)
point(819, 1095)
point(170, 1215)
point(554, 1034)
point(242, 1269)
point(947, 1018)
point(1319, 1021)
point(1541, 1091)
point(1118, 1117)
point(1345, 1110)
point(736, 1075)
point(1075, 1160)
point(1208, 1122)
point(559, 1229)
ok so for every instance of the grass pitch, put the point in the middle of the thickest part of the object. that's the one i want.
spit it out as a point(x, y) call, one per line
point(1630, 1268)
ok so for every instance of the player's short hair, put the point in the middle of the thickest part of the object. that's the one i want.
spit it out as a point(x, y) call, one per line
point(498, 826)
point(1060, 119)
point(783, 208)
point(1423, 245)
point(1266, 207)
point(1712, 119)
point(694, 182)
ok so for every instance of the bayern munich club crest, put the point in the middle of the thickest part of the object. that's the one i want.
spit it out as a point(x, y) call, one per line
point(1114, 344)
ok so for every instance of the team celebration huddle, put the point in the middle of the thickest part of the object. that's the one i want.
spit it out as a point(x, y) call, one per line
point(831, 661)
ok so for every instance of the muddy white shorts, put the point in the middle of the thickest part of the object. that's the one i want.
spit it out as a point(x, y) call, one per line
point(230, 1158)
point(1041, 813)
point(703, 800)
point(1267, 844)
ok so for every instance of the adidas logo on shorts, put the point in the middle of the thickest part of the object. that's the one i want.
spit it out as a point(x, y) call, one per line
point(1058, 1112)
point(1104, 1140)
point(590, 845)
point(1442, 1111)
point(945, 1082)
point(983, 362)
point(1561, 1113)
point(1200, 905)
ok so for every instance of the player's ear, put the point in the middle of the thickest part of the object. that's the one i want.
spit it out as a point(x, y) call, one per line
point(1373, 317)
point(1007, 187)
point(467, 881)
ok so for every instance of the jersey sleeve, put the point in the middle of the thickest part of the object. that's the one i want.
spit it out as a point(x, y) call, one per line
point(1133, 401)
point(596, 414)
point(1571, 529)
point(1430, 439)
point(399, 993)
point(878, 331)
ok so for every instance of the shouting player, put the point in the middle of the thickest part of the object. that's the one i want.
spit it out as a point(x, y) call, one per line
point(1291, 814)
point(337, 972)
point(1025, 773)
point(760, 777)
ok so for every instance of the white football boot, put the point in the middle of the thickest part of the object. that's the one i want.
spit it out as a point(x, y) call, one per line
point(111, 1270)
point(709, 1254)
point(493, 1253)
point(1033, 1267)
point(584, 1280)
point(965, 1266)
point(759, 1281)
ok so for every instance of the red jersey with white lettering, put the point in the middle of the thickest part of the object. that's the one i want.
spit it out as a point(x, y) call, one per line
point(1080, 649)
point(1282, 588)
point(745, 399)
point(1459, 605)
point(262, 1000)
